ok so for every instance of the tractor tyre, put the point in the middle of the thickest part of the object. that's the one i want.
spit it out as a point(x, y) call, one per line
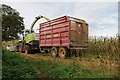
point(63, 52)
point(54, 52)
point(20, 47)
point(27, 49)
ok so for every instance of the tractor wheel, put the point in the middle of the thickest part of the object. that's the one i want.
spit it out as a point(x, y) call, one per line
point(20, 47)
point(54, 52)
point(27, 49)
point(63, 52)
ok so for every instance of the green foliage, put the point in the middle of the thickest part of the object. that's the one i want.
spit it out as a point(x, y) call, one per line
point(15, 66)
point(12, 23)
point(104, 46)
point(59, 70)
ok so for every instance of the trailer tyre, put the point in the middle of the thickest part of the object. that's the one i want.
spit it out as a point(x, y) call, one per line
point(63, 52)
point(27, 49)
point(54, 52)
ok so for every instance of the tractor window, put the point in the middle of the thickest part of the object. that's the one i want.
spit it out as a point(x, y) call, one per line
point(27, 32)
point(32, 32)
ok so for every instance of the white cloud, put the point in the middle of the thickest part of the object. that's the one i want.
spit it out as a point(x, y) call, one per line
point(59, 0)
point(102, 17)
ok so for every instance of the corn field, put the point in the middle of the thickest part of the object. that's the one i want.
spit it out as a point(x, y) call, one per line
point(104, 46)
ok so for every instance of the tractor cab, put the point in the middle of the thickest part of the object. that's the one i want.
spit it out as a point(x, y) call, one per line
point(26, 32)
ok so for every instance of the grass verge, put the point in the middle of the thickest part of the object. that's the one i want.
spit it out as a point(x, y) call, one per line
point(15, 66)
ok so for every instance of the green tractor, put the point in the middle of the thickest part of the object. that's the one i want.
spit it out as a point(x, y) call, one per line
point(30, 42)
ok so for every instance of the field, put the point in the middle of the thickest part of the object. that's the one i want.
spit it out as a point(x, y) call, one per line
point(101, 60)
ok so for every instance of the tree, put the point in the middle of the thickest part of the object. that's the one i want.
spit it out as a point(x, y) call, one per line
point(12, 23)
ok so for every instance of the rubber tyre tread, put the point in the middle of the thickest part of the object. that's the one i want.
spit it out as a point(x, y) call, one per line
point(54, 52)
point(63, 53)
point(27, 49)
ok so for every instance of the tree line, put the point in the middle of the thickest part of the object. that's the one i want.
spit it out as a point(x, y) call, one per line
point(12, 23)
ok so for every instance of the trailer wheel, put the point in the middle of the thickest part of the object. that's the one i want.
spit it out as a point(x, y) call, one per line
point(27, 49)
point(54, 52)
point(63, 52)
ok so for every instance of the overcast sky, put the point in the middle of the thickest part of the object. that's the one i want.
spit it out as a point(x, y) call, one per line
point(102, 17)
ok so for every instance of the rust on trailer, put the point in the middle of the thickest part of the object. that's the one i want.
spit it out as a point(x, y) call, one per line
point(64, 31)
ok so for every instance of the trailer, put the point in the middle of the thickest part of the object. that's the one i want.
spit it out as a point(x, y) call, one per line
point(62, 35)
